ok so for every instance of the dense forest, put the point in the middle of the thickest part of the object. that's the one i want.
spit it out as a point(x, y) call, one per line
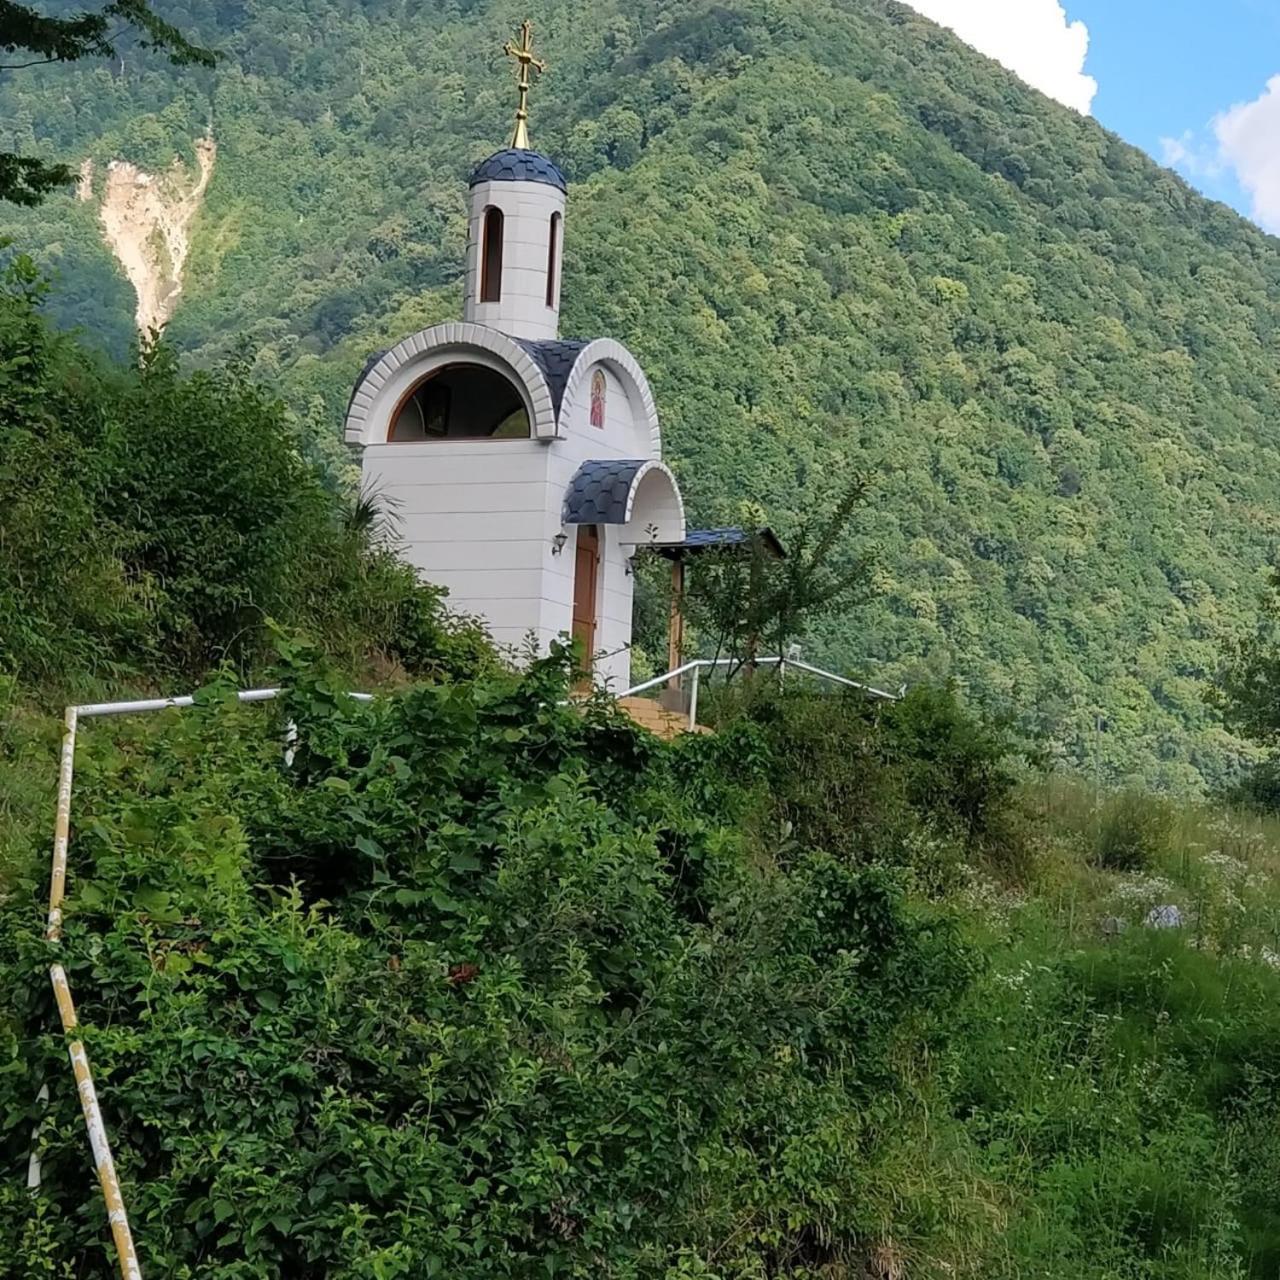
point(836, 238)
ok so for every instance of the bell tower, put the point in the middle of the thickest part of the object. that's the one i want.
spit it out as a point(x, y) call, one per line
point(515, 237)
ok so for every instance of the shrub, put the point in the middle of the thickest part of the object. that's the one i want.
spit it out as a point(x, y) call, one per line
point(1135, 830)
point(477, 986)
point(1258, 790)
point(152, 521)
point(955, 766)
point(66, 606)
point(921, 782)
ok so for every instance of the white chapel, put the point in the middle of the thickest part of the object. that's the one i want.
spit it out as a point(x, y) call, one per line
point(525, 468)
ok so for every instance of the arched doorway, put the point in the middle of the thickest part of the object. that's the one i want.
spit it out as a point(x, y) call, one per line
point(586, 573)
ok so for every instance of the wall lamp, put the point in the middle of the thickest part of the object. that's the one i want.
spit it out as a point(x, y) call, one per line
point(557, 543)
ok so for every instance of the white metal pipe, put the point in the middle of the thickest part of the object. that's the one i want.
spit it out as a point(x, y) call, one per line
point(694, 665)
point(852, 684)
point(62, 826)
point(697, 664)
point(96, 1127)
point(33, 1161)
point(693, 700)
point(186, 700)
point(98, 1142)
point(110, 1183)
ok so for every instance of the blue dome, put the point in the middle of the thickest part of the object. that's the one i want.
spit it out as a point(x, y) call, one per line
point(517, 165)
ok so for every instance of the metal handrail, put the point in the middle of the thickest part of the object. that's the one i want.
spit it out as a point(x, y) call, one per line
point(852, 684)
point(108, 1179)
point(664, 677)
point(698, 665)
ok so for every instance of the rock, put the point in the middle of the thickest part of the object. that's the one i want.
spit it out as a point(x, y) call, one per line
point(1166, 917)
point(1113, 927)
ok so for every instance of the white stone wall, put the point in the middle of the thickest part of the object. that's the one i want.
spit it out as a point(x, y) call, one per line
point(480, 517)
point(522, 309)
point(629, 432)
point(471, 516)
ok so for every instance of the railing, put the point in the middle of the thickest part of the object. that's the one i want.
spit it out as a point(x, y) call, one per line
point(126, 1254)
point(698, 665)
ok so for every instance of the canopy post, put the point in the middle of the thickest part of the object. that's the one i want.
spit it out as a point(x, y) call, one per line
point(675, 623)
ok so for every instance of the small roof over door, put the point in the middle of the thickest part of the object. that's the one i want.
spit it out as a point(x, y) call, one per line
point(640, 494)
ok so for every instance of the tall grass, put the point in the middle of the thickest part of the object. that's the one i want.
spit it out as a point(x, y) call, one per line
point(1120, 1079)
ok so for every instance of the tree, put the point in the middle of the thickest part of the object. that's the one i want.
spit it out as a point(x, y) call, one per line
point(25, 179)
point(1247, 692)
point(1248, 686)
point(757, 600)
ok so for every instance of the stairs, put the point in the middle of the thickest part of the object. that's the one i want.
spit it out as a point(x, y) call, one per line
point(653, 716)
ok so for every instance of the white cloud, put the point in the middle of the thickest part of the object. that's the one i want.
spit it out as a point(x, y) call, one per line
point(1249, 142)
point(1243, 141)
point(1031, 37)
point(1191, 155)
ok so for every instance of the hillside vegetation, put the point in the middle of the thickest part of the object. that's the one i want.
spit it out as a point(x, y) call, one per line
point(478, 984)
point(481, 982)
point(830, 232)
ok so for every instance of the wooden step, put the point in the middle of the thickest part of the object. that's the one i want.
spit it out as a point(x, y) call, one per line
point(651, 715)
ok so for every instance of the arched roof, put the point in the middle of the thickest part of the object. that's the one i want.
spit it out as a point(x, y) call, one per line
point(425, 348)
point(551, 371)
point(625, 365)
point(556, 358)
point(515, 164)
point(604, 491)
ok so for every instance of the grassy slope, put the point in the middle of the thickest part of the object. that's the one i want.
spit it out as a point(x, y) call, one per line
point(828, 230)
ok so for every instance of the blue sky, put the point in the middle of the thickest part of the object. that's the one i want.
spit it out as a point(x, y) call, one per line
point(1164, 70)
point(1196, 83)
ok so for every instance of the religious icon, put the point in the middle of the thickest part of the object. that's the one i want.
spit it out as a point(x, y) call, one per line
point(597, 399)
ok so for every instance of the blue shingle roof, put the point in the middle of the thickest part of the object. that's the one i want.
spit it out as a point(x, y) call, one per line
point(598, 492)
point(517, 165)
point(715, 538)
point(696, 540)
point(556, 358)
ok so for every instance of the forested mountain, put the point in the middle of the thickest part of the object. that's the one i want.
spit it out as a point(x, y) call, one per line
point(836, 237)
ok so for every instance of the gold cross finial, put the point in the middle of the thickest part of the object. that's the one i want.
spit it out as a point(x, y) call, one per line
point(523, 54)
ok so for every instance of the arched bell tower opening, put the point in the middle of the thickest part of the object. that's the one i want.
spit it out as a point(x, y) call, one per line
point(491, 256)
point(553, 262)
point(460, 401)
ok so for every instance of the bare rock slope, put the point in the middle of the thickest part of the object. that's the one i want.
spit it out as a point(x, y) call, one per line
point(146, 222)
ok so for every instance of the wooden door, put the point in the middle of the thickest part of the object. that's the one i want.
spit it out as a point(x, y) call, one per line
point(586, 570)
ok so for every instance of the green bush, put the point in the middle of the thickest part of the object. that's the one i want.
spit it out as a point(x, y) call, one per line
point(1135, 831)
point(921, 782)
point(479, 985)
point(1258, 790)
point(151, 522)
point(955, 765)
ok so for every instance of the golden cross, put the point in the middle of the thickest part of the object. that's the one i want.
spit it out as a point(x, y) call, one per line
point(523, 53)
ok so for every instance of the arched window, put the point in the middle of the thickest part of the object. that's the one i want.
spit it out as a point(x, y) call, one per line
point(553, 244)
point(460, 402)
point(491, 257)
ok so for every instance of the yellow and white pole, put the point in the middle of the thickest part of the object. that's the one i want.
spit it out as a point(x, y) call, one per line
point(116, 1215)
